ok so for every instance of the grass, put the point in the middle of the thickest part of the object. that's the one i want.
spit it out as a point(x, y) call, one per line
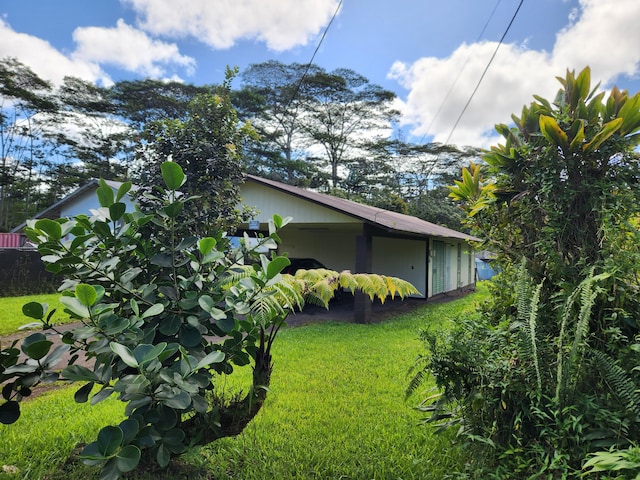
point(336, 410)
point(12, 318)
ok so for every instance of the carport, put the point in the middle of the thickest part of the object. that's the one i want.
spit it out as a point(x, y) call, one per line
point(346, 235)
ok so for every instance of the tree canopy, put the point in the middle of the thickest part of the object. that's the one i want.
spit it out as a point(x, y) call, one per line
point(332, 131)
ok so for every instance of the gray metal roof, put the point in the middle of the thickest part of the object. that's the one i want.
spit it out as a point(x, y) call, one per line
point(385, 219)
point(378, 217)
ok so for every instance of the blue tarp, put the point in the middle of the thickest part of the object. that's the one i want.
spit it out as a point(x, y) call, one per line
point(484, 269)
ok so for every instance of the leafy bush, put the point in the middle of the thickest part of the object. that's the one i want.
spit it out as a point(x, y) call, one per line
point(545, 374)
point(162, 318)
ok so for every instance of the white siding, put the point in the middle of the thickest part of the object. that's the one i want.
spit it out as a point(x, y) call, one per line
point(87, 202)
point(406, 259)
point(450, 263)
point(270, 201)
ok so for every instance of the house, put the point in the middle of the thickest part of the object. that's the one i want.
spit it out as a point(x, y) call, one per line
point(343, 235)
point(346, 235)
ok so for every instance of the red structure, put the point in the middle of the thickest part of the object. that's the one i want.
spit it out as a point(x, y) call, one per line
point(11, 240)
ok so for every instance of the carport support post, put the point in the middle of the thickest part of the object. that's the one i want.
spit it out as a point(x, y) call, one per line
point(362, 303)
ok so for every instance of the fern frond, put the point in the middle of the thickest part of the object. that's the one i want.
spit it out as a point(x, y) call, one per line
point(587, 292)
point(561, 375)
point(233, 276)
point(364, 282)
point(400, 286)
point(532, 323)
point(527, 305)
point(617, 377)
point(347, 280)
point(321, 284)
point(523, 292)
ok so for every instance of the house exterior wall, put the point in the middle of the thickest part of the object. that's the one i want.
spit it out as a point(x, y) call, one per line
point(270, 201)
point(86, 202)
point(402, 258)
point(335, 249)
point(451, 266)
point(432, 265)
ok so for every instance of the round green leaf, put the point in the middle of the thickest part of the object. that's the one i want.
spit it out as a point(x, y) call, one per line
point(174, 436)
point(172, 175)
point(32, 339)
point(180, 401)
point(74, 307)
point(109, 439)
point(82, 394)
point(189, 337)
point(124, 353)
point(205, 245)
point(9, 412)
point(116, 211)
point(153, 310)
point(123, 190)
point(33, 310)
point(163, 456)
point(128, 458)
point(50, 227)
point(105, 194)
point(174, 209)
point(276, 265)
point(38, 350)
point(130, 429)
point(79, 373)
point(213, 357)
point(86, 294)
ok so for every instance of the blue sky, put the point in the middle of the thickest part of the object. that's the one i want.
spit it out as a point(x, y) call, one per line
point(430, 52)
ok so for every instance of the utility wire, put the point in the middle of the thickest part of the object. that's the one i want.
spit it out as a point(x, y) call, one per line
point(448, 94)
point(306, 71)
point(484, 72)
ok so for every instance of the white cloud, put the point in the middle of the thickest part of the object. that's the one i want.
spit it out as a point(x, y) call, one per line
point(606, 37)
point(281, 24)
point(128, 48)
point(603, 35)
point(44, 59)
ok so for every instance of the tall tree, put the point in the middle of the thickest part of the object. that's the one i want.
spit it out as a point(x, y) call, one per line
point(207, 144)
point(275, 98)
point(93, 132)
point(346, 114)
point(23, 95)
point(143, 101)
point(557, 345)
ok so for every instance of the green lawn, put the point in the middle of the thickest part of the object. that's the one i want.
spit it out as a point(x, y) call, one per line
point(336, 411)
point(12, 318)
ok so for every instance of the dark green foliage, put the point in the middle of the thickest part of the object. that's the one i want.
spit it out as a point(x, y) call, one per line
point(207, 144)
point(546, 373)
point(163, 317)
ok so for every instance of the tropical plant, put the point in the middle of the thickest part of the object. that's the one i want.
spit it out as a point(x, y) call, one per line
point(162, 318)
point(207, 143)
point(545, 373)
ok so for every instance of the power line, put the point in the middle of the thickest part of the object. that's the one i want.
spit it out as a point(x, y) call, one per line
point(484, 72)
point(448, 94)
point(306, 71)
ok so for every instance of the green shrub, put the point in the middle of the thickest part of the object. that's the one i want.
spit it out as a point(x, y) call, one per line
point(163, 317)
point(545, 373)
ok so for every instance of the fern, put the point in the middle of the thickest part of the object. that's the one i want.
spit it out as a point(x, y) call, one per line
point(617, 377)
point(528, 303)
point(532, 322)
point(567, 372)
